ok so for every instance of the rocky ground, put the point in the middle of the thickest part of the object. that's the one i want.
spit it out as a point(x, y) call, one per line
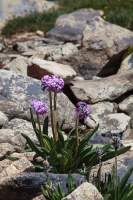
point(93, 61)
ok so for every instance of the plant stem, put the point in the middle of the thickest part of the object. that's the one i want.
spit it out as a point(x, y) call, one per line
point(55, 121)
point(77, 134)
point(51, 113)
point(99, 178)
point(116, 176)
point(40, 133)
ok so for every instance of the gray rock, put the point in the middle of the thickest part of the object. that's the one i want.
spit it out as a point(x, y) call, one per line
point(21, 126)
point(103, 46)
point(38, 68)
point(126, 64)
point(127, 105)
point(6, 149)
point(69, 27)
point(18, 65)
point(14, 109)
point(85, 191)
point(12, 137)
point(16, 87)
point(3, 119)
point(109, 88)
point(28, 184)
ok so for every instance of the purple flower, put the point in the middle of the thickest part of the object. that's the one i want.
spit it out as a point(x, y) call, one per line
point(116, 140)
point(52, 83)
point(39, 106)
point(82, 110)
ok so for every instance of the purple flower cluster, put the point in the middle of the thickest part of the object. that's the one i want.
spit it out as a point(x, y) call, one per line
point(39, 106)
point(52, 83)
point(82, 110)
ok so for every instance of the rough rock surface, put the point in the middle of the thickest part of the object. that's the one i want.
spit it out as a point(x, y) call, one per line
point(69, 27)
point(127, 105)
point(85, 191)
point(103, 45)
point(24, 89)
point(109, 88)
point(27, 185)
point(126, 64)
point(38, 68)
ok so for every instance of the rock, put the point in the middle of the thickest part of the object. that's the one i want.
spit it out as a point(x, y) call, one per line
point(109, 88)
point(38, 68)
point(125, 162)
point(126, 64)
point(21, 126)
point(85, 191)
point(128, 134)
point(4, 164)
point(68, 49)
point(18, 65)
point(128, 143)
point(127, 105)
point(40, 33)
point(6, 149)
point(12, 137)
point(40, 197)
point(18, 88)
point(24, 46)
point(10, 8)
point(4, 59)
point(28, 184)
point(18, 166)
point(103, 46)
point(113, 123)
point(99, 112)
point(69, 27)
point(13, 110)
point(3, 119)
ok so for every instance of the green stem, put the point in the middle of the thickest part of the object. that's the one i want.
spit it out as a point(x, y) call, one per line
point(51, 113)
point(116, 175)
point(55, 120)
point(40, 133)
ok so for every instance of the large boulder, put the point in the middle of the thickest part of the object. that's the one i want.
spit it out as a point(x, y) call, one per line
point(69, 27)
point(18, 88)
point(109, 88)
point(103, 46)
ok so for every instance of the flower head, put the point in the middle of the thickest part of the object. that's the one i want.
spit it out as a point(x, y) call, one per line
point(52, 83)
point(39, 106)
point(82, 110)
point(116, 140)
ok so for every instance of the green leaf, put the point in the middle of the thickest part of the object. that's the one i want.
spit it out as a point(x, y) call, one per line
point(26, 150)
point(61, 126)
point(111, 154)
point(125, 178)
point(12, 158)
point(48, 142)
point(68, 157)
point(45, 125)
point(33, 146)
point(86, 138)
point(34, 125)
point(60, 137)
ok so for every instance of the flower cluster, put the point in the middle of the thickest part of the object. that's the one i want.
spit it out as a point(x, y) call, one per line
point(52, 83)
point(39, 106)
point(82, 110)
